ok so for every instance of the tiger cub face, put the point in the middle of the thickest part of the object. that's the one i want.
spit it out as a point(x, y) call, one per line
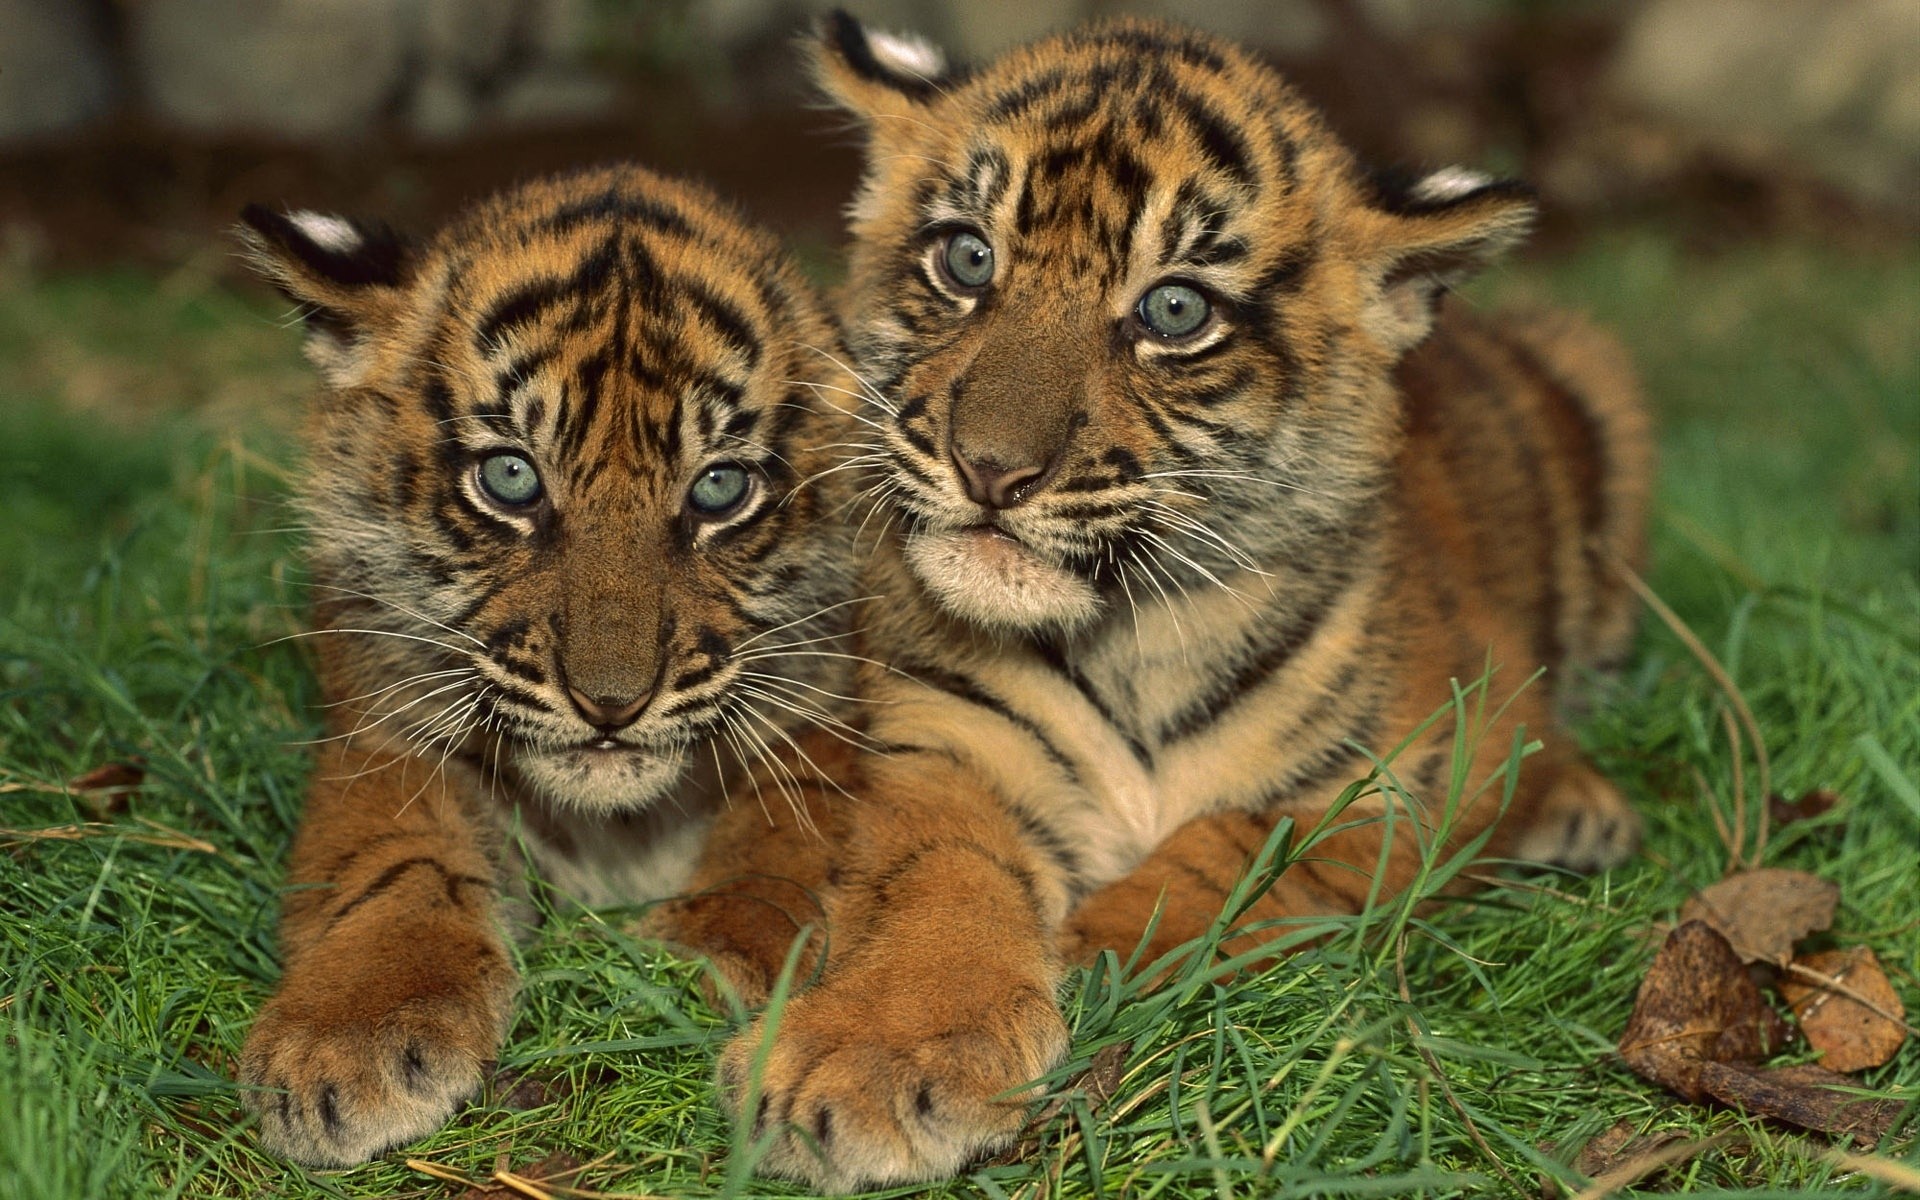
point(1134, 310)
point(555, 493)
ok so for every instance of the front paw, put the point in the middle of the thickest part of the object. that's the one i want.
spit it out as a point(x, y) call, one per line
point(873, 1079)
point(364, 1049)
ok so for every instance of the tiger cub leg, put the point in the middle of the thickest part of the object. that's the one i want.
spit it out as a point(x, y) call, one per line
point(1565, 814)
point(1178, 891)
point(766, 871)
point(398, 984)
point(915, 1052)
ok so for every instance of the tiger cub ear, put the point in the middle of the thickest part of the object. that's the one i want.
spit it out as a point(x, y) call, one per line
point(346, 275)
point(874, 74)
point(1426, 234)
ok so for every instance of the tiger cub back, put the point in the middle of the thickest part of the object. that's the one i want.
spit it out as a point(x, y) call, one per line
point(1200, 499)
point(574, 560)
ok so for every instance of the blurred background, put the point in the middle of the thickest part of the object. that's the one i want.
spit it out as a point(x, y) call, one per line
point(134, 129)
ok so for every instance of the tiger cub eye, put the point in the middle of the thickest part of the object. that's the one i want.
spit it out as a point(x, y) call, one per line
point(969, 260)
point(719, 489)
point(1174, 310)
point(510, 479)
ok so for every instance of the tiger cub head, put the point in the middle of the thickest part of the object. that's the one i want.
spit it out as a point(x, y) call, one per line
point(561, 492)
point(1134, 310)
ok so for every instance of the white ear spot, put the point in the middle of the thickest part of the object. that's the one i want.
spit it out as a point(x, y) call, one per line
point(329, 233)
point(905, 54)
point(1449, 183)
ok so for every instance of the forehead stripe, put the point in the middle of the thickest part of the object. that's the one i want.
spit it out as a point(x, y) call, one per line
point(616, 207)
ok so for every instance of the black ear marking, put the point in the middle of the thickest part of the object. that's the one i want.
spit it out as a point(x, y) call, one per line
point(353, 254)
point(1405, 192)
point(907, 65)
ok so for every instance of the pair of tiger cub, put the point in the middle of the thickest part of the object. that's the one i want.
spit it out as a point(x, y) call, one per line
point(1184, 497)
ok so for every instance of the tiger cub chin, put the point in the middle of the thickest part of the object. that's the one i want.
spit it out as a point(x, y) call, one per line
point(570, 539)
point(1198, 495)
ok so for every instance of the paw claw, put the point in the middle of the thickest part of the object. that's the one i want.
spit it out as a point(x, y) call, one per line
point(1584, 824)
point(850, 1084)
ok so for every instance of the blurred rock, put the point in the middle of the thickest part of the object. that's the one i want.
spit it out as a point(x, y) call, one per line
point(295, 68)
point(1292, 28)
point(54, 73)
point(983, 28)
point(1831, 87)
point(309, 70)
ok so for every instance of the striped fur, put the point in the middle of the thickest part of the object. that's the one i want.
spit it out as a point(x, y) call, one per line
point(1148, 592)
point(564, 672)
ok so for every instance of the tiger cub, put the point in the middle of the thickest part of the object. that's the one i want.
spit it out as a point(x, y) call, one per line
point(562, 557)
point(1198, 495)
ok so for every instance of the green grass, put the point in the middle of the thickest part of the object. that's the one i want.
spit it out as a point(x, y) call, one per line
point(142, 581)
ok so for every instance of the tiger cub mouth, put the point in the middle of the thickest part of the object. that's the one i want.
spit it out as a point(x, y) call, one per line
point(984, 574)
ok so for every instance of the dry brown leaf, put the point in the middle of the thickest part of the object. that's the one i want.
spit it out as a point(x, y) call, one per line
point(1619, 1143)
point(1851, 1036)
point(1763, 912)
point(1697, 1006)
point(104, 789)
point(1096, 1084)
point(108, 775)
point(1646, 1157)
point(1811, 804)
point(1804, 1095)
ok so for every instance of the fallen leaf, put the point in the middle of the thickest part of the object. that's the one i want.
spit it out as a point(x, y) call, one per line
point(1805, 1095)
point(1850, 1035)
point(1763, 912)
point(1096, 1084)
point(1697, 1006)
point(1620, 1140)
point(1811, 804)
point(1648, 1157)
point(104, 789)
point(108, 775)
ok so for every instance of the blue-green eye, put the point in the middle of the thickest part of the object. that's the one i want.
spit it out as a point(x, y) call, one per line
point(510, 479)
point(1174, 310)
point(968, 258)
point(719, 489)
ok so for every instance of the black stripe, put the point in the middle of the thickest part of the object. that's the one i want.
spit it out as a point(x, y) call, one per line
point(617, 206)
point(521, 306)
point(387, 878)
point(1046, 839)
point(1287, 640)
point(1218, 138)
point(1152, 43)
point(963, 688)
point(726, 319)
point(1051, 653)
point(881, 882)
point(1018, 100)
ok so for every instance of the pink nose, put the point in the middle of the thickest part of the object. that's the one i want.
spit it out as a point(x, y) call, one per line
point(996, 486)
point(608, 713)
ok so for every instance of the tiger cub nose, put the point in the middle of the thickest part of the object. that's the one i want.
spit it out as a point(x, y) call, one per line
point(608, 713)
point(994, 485)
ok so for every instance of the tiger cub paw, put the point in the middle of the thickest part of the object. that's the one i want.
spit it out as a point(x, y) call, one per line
point(870, 1081)
point(745, 929)
point(1584, 824)
point(348, 1060)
